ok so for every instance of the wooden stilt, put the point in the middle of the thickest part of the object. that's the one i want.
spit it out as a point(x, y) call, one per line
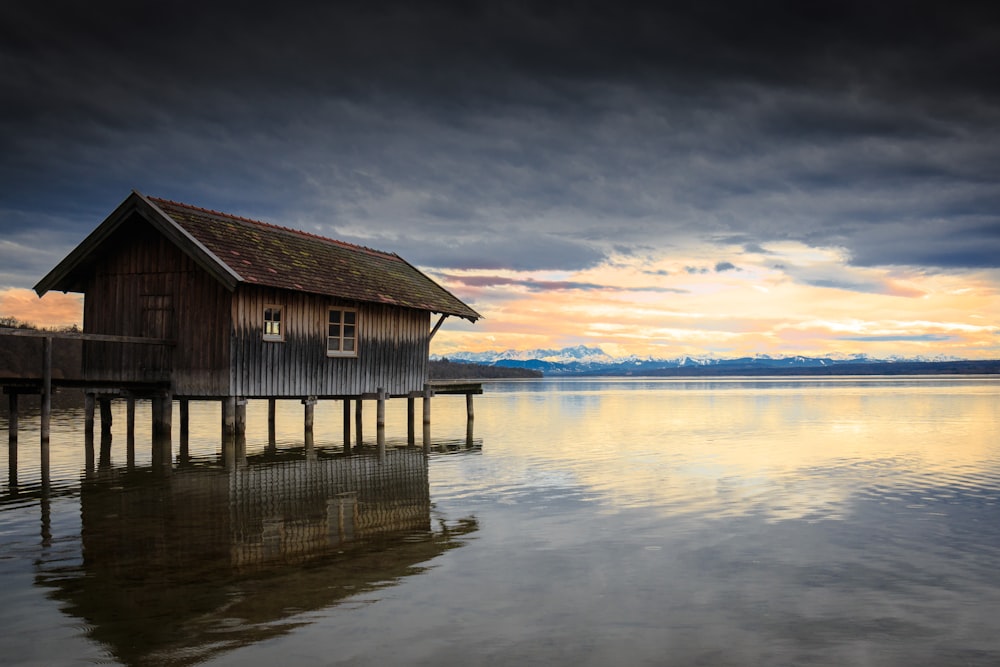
point(347, 426)
point(12, 442)
point(130, 432)
point(240, 417)
point(309, 417)
point(271, 424)
point(229, 431)
point(106, 418)
point(12, 419)
point(229, 416)
point(46, 405)
point(130, 421)
point(358, 409)
point(428, 392)
point(470, 420)
point(410, 419)
point(162, 418)
point(88, 414)
point(46, 393)
point(380, 423)
point(185, 438)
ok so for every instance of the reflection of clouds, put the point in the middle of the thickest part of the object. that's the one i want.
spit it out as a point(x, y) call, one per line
point(779, 449)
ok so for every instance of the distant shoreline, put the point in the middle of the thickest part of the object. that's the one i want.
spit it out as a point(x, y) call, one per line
point(456, 371)
point(884, 368)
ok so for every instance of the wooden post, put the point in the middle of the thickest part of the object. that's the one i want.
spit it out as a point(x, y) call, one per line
point(130, 420)
point(163, 408)
point(272, 437)
point(46, 405)
point(130, 432)
point(106, 418)
point(12, 443)
point(471, 417)
point(309, 413)
point(428, 392)
point(410, 419)
point(380, 424)
point(229, 431)
point(88, 415)
point(240, 417)
point(347, 426)
point(358, 409)
point(12, 420)
point(229, 416)
point(185, 435)
point(163, 414)
point(46, 392)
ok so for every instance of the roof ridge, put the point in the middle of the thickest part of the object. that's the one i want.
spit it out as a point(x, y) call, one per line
point(291, 230)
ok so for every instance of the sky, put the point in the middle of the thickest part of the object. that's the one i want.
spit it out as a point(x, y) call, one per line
point(659, 179)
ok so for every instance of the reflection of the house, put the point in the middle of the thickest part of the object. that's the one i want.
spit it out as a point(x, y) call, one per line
point(179, 567)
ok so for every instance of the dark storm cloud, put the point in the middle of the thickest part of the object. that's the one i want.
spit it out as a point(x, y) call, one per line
point(516, 135)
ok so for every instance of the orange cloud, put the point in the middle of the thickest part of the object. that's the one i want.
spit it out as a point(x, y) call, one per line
point(53, 310)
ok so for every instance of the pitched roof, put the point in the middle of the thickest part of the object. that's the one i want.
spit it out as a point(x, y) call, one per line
point(239, 250)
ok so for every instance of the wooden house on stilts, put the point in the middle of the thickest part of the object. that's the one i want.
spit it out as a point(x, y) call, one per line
point(248, 310)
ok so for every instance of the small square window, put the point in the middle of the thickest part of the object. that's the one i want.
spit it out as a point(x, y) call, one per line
point(273, 329)
point(342, 333)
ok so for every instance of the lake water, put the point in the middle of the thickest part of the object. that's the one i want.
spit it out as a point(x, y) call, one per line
point(835, 521)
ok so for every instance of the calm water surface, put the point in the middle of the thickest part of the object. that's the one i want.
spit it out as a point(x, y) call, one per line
point(834, 521)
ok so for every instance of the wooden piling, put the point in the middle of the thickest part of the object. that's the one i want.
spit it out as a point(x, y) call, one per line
point(130, 419)
point(428, 392)
point(12, 442)
point(347, 426)
point(309, 417)
point(106, 418)
point(240, 417)
point(380, 423)
point(12, 425)
point(271, 423)
point(88, 414)
point(46, 396)
point(130, 432)
point(410, 419)
point(358, 410)
point(470, 420)
point(228, 416)
point(185, 434)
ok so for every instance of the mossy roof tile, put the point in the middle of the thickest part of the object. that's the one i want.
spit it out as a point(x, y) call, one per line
point(275, 256)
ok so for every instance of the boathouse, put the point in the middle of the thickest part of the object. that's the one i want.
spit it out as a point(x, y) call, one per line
point(236, 308)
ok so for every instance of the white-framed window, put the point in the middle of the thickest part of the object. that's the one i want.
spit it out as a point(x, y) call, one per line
point(342, 333)
point(274, 328)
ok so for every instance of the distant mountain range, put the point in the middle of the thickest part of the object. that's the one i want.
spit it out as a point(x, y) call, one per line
point(583, 360)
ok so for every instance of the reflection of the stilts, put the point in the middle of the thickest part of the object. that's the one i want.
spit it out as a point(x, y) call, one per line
point(204, 559)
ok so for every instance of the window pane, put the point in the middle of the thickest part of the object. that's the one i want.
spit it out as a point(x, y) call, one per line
point(276, 314)
point(348, 331)
point(349, 345)
point(267, 315)
point(350, 317)
point(335, 330)
point(333, 345)
point(334, 317)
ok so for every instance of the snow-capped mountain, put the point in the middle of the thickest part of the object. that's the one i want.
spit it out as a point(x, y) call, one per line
point(584, 360)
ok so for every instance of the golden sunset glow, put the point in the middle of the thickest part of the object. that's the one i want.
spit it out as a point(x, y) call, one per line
point(793, 300)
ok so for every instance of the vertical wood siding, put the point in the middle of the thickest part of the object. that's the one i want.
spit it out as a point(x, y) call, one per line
point(144, 286)
point(392, 348)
